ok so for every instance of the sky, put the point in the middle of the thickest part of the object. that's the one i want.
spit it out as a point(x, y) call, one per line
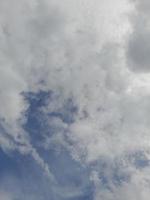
point(74, 100)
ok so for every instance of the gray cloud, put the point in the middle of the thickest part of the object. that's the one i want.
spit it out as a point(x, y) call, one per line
point(138, 47)
point(46, 46)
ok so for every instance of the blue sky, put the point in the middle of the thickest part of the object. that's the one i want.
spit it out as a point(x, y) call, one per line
point(24, 178)
point(21, 175)
point(74, 100)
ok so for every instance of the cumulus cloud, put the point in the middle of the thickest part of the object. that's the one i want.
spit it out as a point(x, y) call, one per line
point(99, 108)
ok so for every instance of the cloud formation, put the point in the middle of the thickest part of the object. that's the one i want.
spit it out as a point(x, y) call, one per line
point(68, 83)
point(138, 47)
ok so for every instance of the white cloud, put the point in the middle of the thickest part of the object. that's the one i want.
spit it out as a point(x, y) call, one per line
point(78, 51)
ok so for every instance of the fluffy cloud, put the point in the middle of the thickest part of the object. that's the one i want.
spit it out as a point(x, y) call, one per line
point(99, 107)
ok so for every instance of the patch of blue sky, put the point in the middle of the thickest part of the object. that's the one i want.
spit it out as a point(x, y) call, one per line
point(38, 123)
point(139, 159)
point(8, 164)
point(69, 173)
point(22, 177)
